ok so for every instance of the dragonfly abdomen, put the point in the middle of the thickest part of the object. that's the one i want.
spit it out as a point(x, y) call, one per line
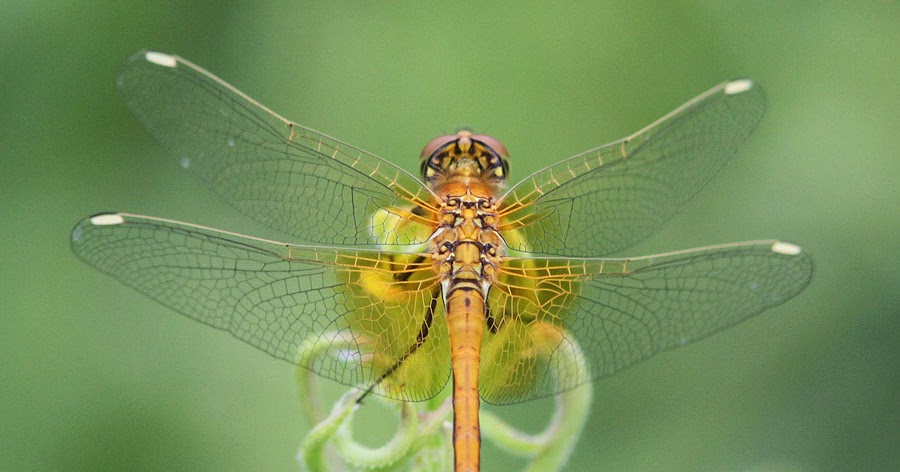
point(466, 318)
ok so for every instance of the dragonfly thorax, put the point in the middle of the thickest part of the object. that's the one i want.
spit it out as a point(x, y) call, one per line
point(466, 246)
point(464, 156)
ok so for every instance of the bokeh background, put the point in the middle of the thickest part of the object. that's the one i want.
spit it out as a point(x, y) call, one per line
point(95, 377)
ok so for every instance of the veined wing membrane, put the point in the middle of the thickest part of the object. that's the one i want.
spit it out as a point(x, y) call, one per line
point(609, 198)
point(622, 311)
point(289, 177)
point(357, 311)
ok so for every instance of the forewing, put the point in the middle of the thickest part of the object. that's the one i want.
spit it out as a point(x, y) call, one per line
point(350, 315)
point(616, 312)
point(609, 198)
point(289, 177)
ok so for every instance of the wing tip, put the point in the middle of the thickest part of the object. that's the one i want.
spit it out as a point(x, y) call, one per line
point(737, 86)
point(99, 219)
point(160, 58)
point(786, 249)
point(106, 219)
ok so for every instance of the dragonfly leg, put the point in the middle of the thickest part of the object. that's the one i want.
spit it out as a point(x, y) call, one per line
point(489, 319)
point(420, 340)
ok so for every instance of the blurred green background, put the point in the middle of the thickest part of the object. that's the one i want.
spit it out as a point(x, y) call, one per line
point(96, 377)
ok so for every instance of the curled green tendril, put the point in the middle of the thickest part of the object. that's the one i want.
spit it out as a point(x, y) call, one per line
point(423, 440)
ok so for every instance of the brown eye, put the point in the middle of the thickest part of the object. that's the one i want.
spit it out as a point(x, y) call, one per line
point(436, 144)
point(492, 143)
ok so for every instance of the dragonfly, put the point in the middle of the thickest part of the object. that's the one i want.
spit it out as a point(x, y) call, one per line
point(455, 277)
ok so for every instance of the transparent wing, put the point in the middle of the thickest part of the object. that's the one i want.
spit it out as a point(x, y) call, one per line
point(349, 315)
point(286, 176)
point(608, 198)
point(621, 311)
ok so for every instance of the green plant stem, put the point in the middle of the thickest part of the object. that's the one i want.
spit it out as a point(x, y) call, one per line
point(423, 440)
point(550, 449)
point(376, 458)
point(312, 451)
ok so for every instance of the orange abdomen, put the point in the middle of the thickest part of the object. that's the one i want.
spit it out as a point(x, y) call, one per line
point(466, 319)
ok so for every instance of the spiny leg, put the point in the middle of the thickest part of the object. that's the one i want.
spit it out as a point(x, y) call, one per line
point(420, 340)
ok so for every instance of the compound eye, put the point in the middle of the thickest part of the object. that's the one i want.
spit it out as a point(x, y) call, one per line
point(436, 144)
point(492, 143)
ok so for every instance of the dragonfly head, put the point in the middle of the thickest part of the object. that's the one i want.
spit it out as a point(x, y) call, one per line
point(466, 155)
